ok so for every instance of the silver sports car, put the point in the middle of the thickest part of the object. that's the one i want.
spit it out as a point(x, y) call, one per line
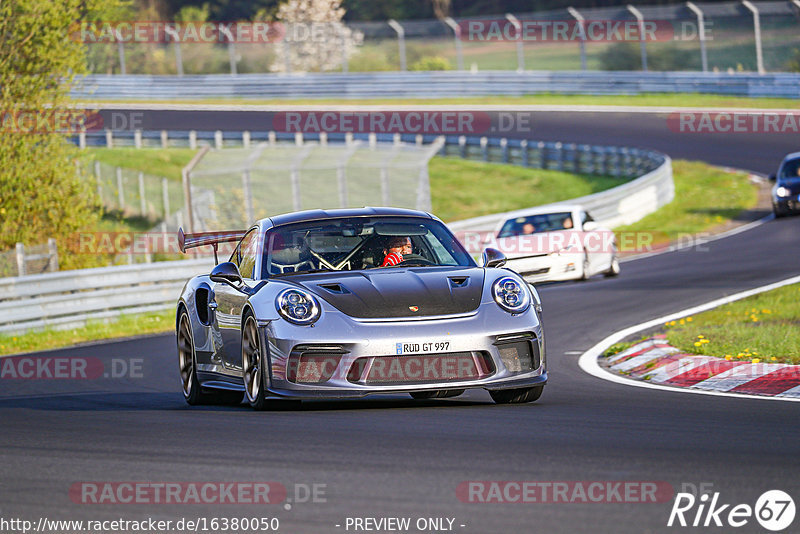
point(346, 303)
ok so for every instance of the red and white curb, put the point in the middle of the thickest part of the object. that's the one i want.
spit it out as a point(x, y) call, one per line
point(725, 383)
point(657, 362)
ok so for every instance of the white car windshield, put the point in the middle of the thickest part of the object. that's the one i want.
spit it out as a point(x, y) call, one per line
point(534, 224)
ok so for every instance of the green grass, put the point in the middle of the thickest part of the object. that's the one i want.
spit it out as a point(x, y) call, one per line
point(94, 330)
point(166, 162)
point(650, 99)
point(705, 197)
point(762, 327)
point(461, 189)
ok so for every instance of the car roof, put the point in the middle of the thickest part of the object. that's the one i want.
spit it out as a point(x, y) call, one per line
point(538, 210)
point(793, 155)
point(313, 215)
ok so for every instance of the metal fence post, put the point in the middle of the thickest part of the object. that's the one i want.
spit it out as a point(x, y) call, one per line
point(121, 53)
point(485, 148)
point(518, 31)
point(97, 178)
point(582, 43)
point(142, 200)
point(560, 155)
point(20, 248)
point(701, 33)
point(218, 139)
point(164, 139)
point(457, 34)
point(120, 190)
point(757, 30)
point(52, 251)
point(504, 150)
point(248, 197)
point(165, 197)
point(169, 31)
point(542, 154)
point(523, 145)
point(401, 42)
point(82, 139)
point(137, 138)
point(193, 140)
point(109, 139)
point(462, 146)
point(246, 139)
point(640, 20)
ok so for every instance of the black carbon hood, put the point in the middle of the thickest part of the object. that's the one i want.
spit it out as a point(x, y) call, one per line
point(397, 292)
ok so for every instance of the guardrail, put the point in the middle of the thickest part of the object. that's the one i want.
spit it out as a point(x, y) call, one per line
point(446, 84)
point(69, 298)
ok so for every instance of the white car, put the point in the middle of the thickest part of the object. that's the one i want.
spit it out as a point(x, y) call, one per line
point(555, 243)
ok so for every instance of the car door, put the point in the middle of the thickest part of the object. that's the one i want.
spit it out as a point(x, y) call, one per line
point(230, 301)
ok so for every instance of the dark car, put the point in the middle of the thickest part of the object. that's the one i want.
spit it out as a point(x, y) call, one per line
point(786, 191)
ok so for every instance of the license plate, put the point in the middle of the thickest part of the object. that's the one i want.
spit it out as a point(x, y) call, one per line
point(423, 347)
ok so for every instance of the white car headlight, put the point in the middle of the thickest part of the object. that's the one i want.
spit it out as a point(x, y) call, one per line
point(511, 295)
point(782, 192)
point(298, 306)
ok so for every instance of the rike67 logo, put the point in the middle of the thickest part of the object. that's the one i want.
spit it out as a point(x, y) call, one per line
point(774, 510)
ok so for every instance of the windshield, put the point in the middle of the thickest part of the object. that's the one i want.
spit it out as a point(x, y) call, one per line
point(535, 224)
point(361, 243)
point(790, 171)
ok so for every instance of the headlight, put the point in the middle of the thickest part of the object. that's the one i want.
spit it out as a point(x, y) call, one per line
point(297, 306)
point(511, 295)
point(782, 192)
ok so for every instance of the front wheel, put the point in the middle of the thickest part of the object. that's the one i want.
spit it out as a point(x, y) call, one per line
point(613, 270)
point(516, 396)
point(253, 359)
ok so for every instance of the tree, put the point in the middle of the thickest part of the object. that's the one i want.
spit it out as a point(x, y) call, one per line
point(315, 38)
point(41, 193)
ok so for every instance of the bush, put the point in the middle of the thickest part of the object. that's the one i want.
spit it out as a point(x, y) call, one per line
point(793, 65)
point(428, 63)
point(371, 60)
point(628, 56)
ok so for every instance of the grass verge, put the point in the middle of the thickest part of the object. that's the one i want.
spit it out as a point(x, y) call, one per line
point(166, 162)
point(94, 330)
point(650, 99)
point(705, 197)
point(762, 328)
point(461, 189)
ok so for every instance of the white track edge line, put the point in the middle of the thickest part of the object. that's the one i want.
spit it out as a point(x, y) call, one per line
point(589, 364)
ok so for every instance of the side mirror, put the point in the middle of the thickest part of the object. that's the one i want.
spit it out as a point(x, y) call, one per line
point(227, 273)
point(493, 258)
point(589, 226)
point(772, 177)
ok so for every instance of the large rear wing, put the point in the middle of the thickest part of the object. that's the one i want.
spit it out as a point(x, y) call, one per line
point(200, 239)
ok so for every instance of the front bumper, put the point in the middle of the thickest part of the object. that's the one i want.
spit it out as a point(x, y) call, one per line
point(547, 268)
point(349, 351)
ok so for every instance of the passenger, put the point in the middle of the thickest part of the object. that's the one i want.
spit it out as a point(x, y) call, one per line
point(528, 228)
point(394, 250)
point(567, 224)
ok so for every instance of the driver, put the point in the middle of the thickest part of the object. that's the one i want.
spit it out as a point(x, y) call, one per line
point(394, 250)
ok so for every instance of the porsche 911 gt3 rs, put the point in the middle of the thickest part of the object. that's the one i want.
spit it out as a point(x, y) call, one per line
point(305, 309)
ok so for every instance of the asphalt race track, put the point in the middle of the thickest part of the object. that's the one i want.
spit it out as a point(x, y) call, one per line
point(390, 456)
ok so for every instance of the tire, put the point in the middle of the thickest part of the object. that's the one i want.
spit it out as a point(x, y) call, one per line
point(778, 212)
point(187, 364)
point(436, 394)
point(585, 273)
point(253, 364)
point(516, 396)
point(613, 270)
